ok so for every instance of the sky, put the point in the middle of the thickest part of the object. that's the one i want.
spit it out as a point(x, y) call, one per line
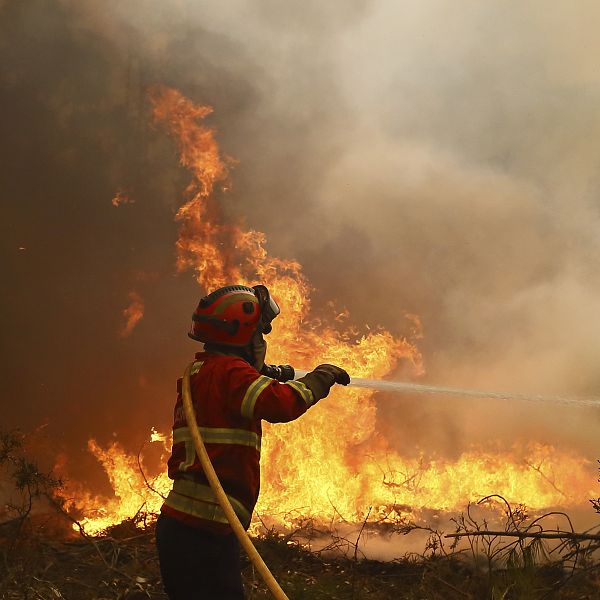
point(437, 158)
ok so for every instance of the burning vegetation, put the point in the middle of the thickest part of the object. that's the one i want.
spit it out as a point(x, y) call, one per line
point(531, 557)
point(332, 485)
point(333, 464)
point(493, 209)
point(330, 481)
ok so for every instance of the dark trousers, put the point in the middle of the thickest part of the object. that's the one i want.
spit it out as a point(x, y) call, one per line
point(196, 564)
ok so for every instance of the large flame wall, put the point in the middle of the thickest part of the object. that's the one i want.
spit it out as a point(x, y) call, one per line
point(331, 463)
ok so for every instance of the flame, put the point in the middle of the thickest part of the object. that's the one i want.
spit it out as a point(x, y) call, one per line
point(122, 197)
point(132, 492)
point(133, 314)
point(156, 436)
point(331, 463)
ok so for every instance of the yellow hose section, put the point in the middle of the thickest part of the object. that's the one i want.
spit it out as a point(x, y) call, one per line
point(215, 484)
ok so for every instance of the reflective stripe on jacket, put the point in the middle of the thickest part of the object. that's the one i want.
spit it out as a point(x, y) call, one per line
point(199, 500)
point(230, 399)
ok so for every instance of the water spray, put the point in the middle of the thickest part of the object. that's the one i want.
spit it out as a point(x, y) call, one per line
point(399, 387)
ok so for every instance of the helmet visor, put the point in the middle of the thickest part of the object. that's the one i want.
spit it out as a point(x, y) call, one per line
point(269, 309)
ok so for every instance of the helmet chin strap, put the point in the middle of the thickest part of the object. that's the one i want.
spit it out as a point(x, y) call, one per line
point(258, 350)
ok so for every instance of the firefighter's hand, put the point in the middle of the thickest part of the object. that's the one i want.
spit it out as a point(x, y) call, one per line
point(339, 375)
point(323, 378)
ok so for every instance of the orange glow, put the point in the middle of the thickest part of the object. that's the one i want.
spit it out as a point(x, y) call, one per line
point(331, 463)
point(131, 493)
point(133, 314)
point(122, 197)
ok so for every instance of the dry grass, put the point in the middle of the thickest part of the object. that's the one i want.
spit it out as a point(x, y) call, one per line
point(43, 558)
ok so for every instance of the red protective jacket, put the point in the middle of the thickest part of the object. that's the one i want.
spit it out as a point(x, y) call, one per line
point(230, 398)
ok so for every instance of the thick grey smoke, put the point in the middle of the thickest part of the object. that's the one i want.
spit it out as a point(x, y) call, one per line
point(429, 157)
point(472, 178)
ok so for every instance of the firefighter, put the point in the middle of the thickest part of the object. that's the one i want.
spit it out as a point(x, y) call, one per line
point(198, 553)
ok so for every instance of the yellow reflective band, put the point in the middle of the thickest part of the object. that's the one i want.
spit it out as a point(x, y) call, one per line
point(252, 394)
point(303, 390)
point(199, 500)
point(196, 367)
point(190, 456)
point(190, 451)
point(210, 512)
point(220, 435)
point(243, 297)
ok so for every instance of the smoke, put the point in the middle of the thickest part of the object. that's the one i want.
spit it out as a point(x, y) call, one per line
point(470, 182)
point(414, 157)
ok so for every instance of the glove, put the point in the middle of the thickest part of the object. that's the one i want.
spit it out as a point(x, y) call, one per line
point(258, 351)
point(339, 375)
point(323, 378)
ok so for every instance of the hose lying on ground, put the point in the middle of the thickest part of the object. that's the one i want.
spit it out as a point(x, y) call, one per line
point(217, 488)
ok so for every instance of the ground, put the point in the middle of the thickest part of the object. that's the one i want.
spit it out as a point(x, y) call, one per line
point(122, 565)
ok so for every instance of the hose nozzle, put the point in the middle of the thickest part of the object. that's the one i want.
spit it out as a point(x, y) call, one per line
point(280, 372)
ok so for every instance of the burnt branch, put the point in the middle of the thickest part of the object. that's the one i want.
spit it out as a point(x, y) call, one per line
point(524, 534)
point(148, 485)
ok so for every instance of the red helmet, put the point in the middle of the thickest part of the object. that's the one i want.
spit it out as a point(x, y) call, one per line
point(231, 315)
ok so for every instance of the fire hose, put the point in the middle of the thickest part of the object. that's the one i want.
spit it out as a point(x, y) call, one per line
point(217, 488)
point(383, 385)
